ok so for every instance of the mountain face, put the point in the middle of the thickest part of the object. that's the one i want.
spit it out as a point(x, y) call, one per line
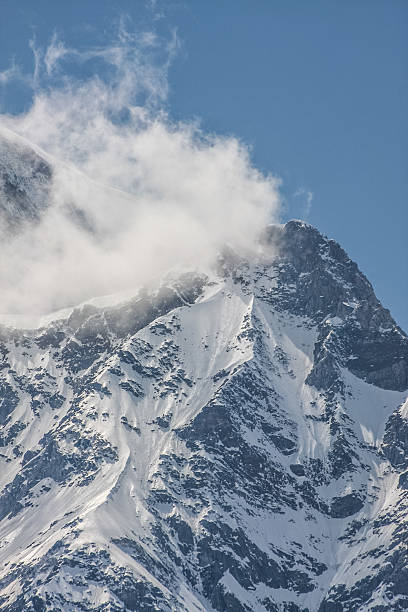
point(227, 442)
point(25, 180)
point(236, 442)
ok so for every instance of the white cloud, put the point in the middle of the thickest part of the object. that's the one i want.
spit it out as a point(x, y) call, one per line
point(158, 194)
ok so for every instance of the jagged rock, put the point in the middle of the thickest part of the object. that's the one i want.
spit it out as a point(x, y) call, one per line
point(341, 507)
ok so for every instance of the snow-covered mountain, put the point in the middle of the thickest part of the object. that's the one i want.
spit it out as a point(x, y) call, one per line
point(235, 441)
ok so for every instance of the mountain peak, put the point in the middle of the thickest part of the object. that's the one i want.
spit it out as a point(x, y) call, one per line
point(311, 276)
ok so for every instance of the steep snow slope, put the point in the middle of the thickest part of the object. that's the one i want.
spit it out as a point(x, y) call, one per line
point(234, 443)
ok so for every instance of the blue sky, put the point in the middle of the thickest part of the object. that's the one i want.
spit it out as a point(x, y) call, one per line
point(318, 89)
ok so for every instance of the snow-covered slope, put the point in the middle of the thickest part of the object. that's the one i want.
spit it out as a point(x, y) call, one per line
point(238, 443)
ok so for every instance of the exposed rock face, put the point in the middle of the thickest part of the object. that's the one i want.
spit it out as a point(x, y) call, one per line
point(354, 329)
point(235, 444)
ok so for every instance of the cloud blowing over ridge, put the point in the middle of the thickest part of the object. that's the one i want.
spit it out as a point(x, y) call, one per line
point(133, 194)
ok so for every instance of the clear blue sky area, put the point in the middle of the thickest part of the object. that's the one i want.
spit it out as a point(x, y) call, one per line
point(318, 88)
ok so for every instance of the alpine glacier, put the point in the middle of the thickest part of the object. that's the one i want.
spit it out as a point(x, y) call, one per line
point(234, 440)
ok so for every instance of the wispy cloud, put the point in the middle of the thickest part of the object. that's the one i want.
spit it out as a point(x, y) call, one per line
point(14, 73)
point(308, 197)
point(54, 53)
